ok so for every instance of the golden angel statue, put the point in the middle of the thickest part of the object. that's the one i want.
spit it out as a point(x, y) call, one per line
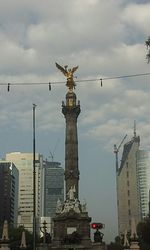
point(69, 74)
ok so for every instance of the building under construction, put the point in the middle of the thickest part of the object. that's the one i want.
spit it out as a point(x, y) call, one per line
point(133, 185)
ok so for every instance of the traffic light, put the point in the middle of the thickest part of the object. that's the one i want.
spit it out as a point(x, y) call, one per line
point(96, 225)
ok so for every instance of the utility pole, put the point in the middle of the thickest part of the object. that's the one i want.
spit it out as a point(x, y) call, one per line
point(34, 183)
point(149, 205)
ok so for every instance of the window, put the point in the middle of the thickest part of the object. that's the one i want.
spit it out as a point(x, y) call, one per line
point(54, 191)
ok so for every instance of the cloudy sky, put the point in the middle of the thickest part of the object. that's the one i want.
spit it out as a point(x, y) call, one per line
point(106, 39)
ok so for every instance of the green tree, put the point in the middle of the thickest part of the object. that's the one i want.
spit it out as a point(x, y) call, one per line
point(147, 43)
point(117, 245)
point(15, 235)
point(143, 231)
point(114, 246)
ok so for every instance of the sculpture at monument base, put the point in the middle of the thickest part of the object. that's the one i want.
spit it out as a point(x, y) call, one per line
point(134, 244)
point(71, 203)
point(4, 241)
point(23, 241)
point(98, 236)
point(126, 244)
point(71, 223)
point(5, 231)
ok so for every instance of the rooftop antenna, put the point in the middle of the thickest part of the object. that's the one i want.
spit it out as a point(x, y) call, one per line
point(116, 151)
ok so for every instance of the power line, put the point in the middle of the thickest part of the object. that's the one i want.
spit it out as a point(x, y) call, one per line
point(113, 78)
point(77, 81)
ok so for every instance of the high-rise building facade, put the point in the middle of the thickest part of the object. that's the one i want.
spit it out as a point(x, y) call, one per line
point(143, 173)
point(127, 186)
point(9, 177)
point(53, 187)
point(24, 163)
point(133, 185)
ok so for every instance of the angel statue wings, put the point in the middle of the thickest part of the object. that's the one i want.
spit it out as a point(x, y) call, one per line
point(69, 74)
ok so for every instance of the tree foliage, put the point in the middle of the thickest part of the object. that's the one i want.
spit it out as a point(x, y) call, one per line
point(143, 230)
point(147, 43)
point(15, 237)
point(117, 245)
point(114, 246)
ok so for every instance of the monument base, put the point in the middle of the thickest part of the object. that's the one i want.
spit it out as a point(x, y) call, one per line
point(4, 246)
point(134, 246)
point(72, 228)
point(94, 246)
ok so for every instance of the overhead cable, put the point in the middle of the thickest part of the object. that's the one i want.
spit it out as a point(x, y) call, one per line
point(77, 81)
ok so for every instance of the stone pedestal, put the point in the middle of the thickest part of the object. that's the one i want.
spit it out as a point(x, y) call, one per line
point(99, 246)
point(134, 246)
point(4, 246)
point(43, 246)
point(96, 246)
point(134, 238)
point(72, 229)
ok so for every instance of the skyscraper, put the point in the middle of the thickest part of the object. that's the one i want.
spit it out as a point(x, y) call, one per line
point(143, 174)
point(8, 192)
point(133, 184)
point(53, 187)
point(127, 186)
point(24, 163)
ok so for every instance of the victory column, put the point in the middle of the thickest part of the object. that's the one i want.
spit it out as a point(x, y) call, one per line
point(71, 223)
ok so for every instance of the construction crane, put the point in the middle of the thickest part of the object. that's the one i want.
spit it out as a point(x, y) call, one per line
point(116, 150)
point(51, 156)
point(52, 153)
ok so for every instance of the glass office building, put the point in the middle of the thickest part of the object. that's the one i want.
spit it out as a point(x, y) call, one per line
point(54, 187)
point(9, 178)
point(24, 164)
point(143, 173)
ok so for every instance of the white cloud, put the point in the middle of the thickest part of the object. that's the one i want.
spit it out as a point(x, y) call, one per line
point(15, 59)
point(139, 21)
point(88, 33)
